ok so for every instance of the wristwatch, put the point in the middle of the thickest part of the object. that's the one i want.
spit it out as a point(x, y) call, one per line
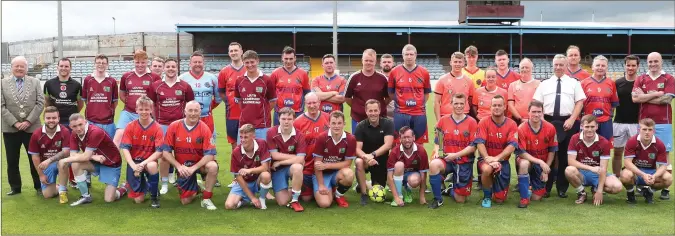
point(374, 154)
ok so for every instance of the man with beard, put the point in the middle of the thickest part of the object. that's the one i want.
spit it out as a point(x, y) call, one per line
point(330, 87)
point(64, 92)
point(387, 64)
point(47, 146)
point(292, 83)
point(450, 84)
point(625, 123)
point(313, 122)
point(407, 167)
point(574, 69)
point(364, 85)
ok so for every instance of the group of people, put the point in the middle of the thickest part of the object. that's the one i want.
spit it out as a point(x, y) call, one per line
point(284, 127)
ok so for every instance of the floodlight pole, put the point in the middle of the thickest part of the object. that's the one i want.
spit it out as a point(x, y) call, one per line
point(60, 27)
point(335, 41)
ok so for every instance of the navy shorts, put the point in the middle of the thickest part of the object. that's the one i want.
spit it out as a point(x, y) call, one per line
point(232, 129)
point(502, 178)
point(462, 177)
point(606, 129)
point(417, 123)
point(138, 186)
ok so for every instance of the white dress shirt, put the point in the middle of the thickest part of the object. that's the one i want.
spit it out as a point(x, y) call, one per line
point(571, 92)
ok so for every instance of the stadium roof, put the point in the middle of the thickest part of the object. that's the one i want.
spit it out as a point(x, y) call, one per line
point(524, 27)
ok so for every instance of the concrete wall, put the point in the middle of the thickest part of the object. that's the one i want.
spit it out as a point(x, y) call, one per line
point(4, 53)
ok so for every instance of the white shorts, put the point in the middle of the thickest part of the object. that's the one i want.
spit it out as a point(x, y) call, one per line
point(623, 132)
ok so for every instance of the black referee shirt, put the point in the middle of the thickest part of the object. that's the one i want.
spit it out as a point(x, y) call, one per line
point(373, 137)
point(627, 112)
point(64, 95)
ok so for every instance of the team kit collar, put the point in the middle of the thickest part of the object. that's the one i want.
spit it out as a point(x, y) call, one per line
point(86, 129)
point(595, 140)
point(414, 148)
point(292, 131)
point(260, 74)
point(643, 146)
point(255, 149)
point(58, 128)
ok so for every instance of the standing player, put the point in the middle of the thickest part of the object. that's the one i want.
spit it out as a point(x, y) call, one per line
point(574, 69)
point(450, 84)
point(482, 97)
point(204, 86)
point(226, 82)
point(537, 145)
point(506, 76)
point(601, 97)
point(133, 85)
point(292, 83)
point(63, 92)
point(476, 74)
point(250, 166)
point(459, 134)
point(157, 66)
point(313, 122)
point(407, 168)
point(142, 146)
point(387, 64)
point(364, 85)
point(330, 87)
point(334, 151)
point(100, 93)
point(97, 155)
point(409, 88)
point(588, 157)
point(287, 148)
point(626, 118)
point(497, 138)
point(188, 147)
point(255, 93)
point(521, 92)
point(47, 146)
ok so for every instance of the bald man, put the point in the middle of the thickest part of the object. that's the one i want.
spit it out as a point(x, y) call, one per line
point(521, 91)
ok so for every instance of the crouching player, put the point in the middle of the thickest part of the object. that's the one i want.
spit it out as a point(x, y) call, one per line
point(333, 155)
point(588, 157)
point(142, 146)
point(407, 168)
point(646, 160)
point(47, 146)
point(312, 123)
point(98, 155)
point(287, 149)
point(459, 134)
point(537, 144)
point(188, 147)
point(250, 166)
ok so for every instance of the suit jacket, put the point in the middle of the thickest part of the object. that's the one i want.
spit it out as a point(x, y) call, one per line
point(34, 104)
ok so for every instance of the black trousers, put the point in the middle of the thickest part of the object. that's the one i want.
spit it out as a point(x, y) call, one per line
point(558, 174)
point(13, 142)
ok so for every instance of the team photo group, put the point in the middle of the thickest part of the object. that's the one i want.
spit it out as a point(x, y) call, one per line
point(289, 144)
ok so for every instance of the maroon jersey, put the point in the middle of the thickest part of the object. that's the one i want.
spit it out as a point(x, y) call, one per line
point(332, 152)
point(497, 136)
point(141, 141)
point(295, 145)
point(660, 113)
point(170, 100)
point(418, 161)
point(100, 98)
point(135, 86)
point(254, 98)
point(241, 160)
point(46, 147)
point(592, 155)
point(312, 129)
point(360, 88)
point(646, 157)
point(97, 140)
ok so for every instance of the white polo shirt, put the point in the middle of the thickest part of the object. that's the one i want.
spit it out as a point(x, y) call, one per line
point(571, 92)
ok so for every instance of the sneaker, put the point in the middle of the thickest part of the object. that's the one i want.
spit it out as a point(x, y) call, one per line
point(394, 204)
point(208, 204)
point(342, 202)
point(155, 203)
point(665, 195)
point(524, 202)
point(447, 192)
point(486, 203)
point(581, 197)
point(232, 184)
point(436, 203)
point(364, 199)
point(172, 178)
point(296, 206)
point(164, 189)
point(82, 200)
point(630, 198)
point(263, 204)
point(407, 195)
point(38, 192)
point(649, 195)
point(72, 184)
point(217, 184)
point(427, 190)
point(63, 197)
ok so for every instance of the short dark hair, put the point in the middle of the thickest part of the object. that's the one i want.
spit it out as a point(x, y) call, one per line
point(66, 59)
point(386, 55)
point(459, 95)
point(535, 103)
point(337, 114)
point(235, 43)
point(327, 56)
point(647, 122)
point(102, 57)
point(372, 101)
point(196, 54)
point(288, 50)
point(499, 97)
point(500, 52)
point(588, 118)
point(404, 129)
point(287, 111)
point(170, 59)
point(471, 51)
point(631, 58)
point(51, 109)
point(250, 54)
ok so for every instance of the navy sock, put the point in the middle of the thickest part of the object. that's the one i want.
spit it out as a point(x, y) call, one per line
point(153, 180)
point(435, 181)
point(171, 169)
point(487, 192)
point(523, 185)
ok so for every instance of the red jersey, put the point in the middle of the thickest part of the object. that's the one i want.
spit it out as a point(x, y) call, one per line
point(141, 141)
point(188, 145)
point(601, 97)
point(482, 99)
point(291, 87)
point(226, 83)
point(496, 137)
point(332, 152)
point(241, 160)
point(592, 155)
point(361, 88)
point(170, 100)
point(336, 83)
point(538, 144)
point(294, 145)
point(254, 98)
point(100, 98)
point(660, 113)
point(580, 74)
point(418, 161)
point(409, 88)
point(646, 157)
point(97, 140)
point(135, 86)
point(458, 135)
point(521, 93)
point(311, 130)
point(46, 147)
point(448, 85)
point(503, 81)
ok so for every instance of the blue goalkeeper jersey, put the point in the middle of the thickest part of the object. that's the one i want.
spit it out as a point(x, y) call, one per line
point(205, 88)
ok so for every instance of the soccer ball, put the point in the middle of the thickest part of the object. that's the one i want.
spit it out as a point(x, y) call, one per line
point(377, 193)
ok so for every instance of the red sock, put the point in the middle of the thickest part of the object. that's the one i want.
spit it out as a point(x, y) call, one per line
point(207, 194)
point(122, 191)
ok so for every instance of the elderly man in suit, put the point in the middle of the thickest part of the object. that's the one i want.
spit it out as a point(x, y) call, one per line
point(22, 104)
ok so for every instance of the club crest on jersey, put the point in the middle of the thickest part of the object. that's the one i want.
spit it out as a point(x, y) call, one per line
point(652, 156)
point(258, 89)
point(545, 140)
point(291, 148)
point(419, 80)
point(449, 91)
point(257, 158)
point(200, 140)
point(106, 88)
point(414, 162)
point(466, 134)
point(596, 153)
point(145, 82)
point(57, 143)
point(342, 150)
point(207, 84)
point(152, 138)
point(660, 85)
point(179, 92)
point(63, 87)
point(515, 135)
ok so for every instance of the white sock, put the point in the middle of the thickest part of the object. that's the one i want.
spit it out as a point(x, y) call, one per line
point(630, 190)
point(117, 194)
point(580, 188)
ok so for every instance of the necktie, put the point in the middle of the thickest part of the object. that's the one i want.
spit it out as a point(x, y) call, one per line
point(19, 86)
point(556, 107)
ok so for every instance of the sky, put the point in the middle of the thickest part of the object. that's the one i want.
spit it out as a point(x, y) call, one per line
point(33, 20)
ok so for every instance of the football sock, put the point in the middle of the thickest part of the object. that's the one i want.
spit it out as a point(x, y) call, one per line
point(152, 181)
point(487, 193)
point(62, 189)
point(341, 190)
point(120, 192)
point(523, 185)
point(435, 181)
point(295, 195)
point(398, 182)
point(264, 188)
point(165, 180)
point(665, 190)
point(630, 190)
point(82, 184)
point(580, 188)
point(207, 195)
point(170, 170)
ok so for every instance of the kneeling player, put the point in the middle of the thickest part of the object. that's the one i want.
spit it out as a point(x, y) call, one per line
point(142, 146)
point(646, 161)
point(407, 165)
point(188, 147)
point(459, 133)
point(288, 151)
point(98, 155)
point(334, 152)
point(537, 144)
point(250, 166)
point(588, 157)
point(47, 146)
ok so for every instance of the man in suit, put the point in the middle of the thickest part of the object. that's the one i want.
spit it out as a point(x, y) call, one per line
point(22, 104)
